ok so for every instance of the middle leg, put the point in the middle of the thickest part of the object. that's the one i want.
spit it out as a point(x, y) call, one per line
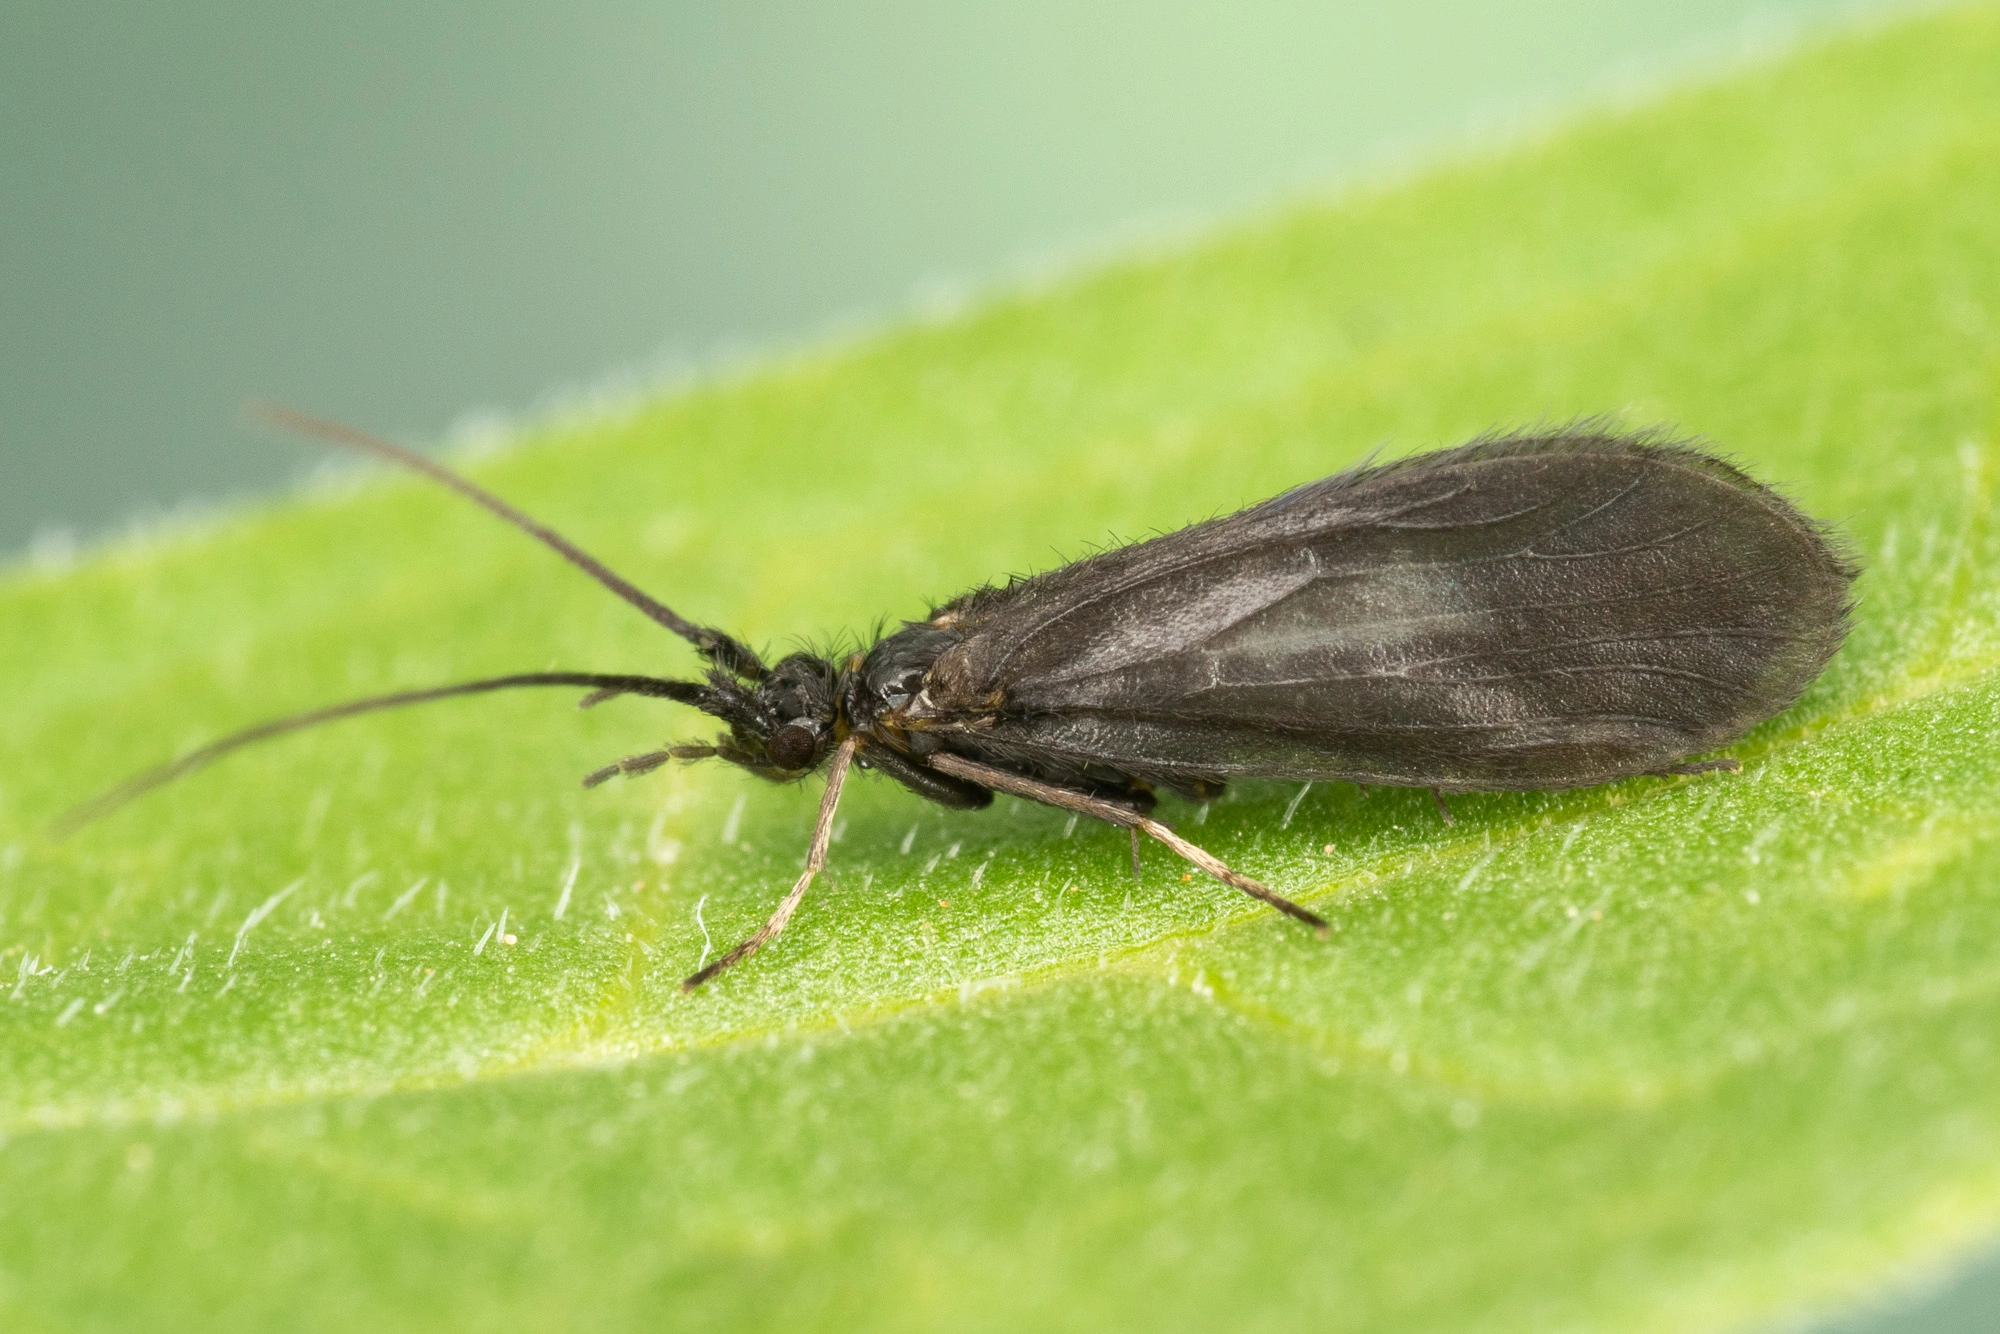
point(1000, 780)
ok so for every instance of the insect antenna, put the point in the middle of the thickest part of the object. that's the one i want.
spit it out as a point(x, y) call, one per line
point(686, 692)
point(713, 644)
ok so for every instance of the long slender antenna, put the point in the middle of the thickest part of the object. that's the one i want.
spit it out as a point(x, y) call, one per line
point(733, 655)
point(687, 692)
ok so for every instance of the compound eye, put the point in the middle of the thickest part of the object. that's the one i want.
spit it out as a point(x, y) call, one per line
point(792, 746)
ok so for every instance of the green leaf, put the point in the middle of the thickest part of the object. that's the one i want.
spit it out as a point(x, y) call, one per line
point(1668, 1054)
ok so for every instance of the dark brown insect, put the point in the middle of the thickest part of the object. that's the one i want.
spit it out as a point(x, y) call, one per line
point(1530, 611)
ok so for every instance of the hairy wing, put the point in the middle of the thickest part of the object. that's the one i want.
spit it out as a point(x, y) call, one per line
point(1531, 612)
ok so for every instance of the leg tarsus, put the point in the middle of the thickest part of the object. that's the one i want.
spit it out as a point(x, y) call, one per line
point(1698, 767)
point(1443, 809)
point(1215, 866)
point(1135, 852)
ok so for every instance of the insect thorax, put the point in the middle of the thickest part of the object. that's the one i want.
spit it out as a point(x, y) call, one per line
point(880, 694)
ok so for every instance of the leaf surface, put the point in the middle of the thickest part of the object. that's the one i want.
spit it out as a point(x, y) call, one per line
point(379, 1026)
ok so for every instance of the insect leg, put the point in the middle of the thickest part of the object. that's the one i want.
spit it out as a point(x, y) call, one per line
point(1083, 803)
point(822, 835)
point(927, 783)
point(1135, 852)
point(1443, 809)
point(1698, 767)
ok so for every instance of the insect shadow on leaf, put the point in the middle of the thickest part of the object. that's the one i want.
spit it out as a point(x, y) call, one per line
point(1539, 610)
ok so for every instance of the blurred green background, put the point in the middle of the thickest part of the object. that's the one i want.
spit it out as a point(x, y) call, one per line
point(428, 219)
point(404, 215)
